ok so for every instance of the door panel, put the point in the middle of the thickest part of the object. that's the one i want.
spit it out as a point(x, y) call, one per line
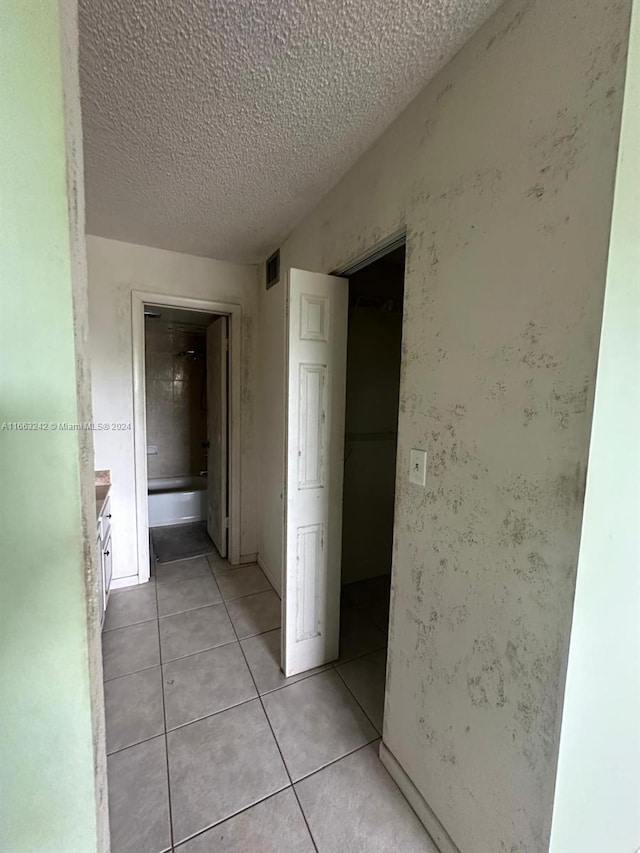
point(217, 460)
point(316, 371)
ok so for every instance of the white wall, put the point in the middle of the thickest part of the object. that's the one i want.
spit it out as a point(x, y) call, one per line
point(115, 269)
point(597, 799)
point(502, 172)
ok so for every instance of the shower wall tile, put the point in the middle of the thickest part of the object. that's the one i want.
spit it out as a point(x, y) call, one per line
point(159, 365)
point(176, 420)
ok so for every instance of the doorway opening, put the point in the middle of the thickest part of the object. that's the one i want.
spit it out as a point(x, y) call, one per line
point(186, 405)
point(186, 360)
point(374, 354)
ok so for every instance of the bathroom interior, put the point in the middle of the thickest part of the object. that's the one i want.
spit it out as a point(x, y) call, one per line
point(177, 432)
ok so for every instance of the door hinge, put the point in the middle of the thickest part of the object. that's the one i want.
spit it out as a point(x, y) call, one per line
point(226, 522)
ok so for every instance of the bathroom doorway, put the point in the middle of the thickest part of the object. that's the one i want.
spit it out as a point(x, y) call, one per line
point(186, 399)
point(186, 380)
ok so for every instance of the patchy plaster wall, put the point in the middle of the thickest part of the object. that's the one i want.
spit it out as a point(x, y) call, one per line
point(115, 269)
point(53, 756)
point(597, 797)
point(80, 295)
point(502, 172)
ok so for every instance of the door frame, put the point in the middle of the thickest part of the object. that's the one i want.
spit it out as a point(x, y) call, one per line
point(140, 298)
point(373, 253)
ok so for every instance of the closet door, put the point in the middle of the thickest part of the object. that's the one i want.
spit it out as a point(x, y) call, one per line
point(316, 368)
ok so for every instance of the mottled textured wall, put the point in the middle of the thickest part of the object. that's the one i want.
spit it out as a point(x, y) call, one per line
point(53, 764)
point(502, 172)
point(597, 797)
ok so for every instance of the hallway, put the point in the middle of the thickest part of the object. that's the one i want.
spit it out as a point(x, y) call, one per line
point(210, 748)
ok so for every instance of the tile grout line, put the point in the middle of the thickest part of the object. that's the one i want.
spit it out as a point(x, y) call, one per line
point(253, 698)
point(221, 645)
point(273, 734)
point(188, 610)
point(230, 817)
point(336, 669)
point(164, 717)
point(229, 707)
point(333, 665)
point(356, 700)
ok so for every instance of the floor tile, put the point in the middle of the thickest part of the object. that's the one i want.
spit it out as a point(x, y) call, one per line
point(181, 541)
point(316, 721)
point(187, 595)
point(129, 649)
point(195, 631)
point(218, 563)
point(194, 567)
point(139, 799)
point(130, 606)
point(243, 580)
point(255, 614)
point(355, 805)
point(365, 678)
point(205, 683)
point(263, 656)
point(358, 635)
point(221, 765)
point(133, 708)
point(275, 825)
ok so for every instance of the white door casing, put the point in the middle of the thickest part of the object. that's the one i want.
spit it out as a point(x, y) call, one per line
point(217, 461)
point(139, 300)
point(316, 377)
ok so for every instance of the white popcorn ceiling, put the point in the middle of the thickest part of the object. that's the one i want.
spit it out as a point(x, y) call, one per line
point(213, 126)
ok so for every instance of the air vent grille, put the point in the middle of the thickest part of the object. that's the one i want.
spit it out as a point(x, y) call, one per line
point(273, 269)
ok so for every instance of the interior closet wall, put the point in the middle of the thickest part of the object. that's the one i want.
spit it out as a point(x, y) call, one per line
point(371, 422)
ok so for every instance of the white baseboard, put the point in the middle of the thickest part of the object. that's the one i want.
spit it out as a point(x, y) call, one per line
point(248, 558)
point(274, 579)
point(421, 807)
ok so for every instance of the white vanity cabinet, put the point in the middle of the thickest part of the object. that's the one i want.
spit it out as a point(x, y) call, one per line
point(105, 557)
point(99, 574)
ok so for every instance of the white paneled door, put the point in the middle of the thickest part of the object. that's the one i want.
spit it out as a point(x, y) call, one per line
point(217, 432)
point(316, 375)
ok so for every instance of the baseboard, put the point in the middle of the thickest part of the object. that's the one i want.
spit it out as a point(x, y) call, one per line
point(245, 559)
point(274, 579)
point(421, 807)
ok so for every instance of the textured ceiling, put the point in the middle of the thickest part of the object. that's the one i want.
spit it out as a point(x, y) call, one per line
point(213, 126)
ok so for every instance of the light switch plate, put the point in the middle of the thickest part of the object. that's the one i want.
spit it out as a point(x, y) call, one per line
point(418, 467)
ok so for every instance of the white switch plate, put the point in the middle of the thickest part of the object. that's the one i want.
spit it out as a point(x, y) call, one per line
point(418, 467)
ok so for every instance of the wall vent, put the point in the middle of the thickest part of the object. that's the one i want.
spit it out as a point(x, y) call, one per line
point(273, 269)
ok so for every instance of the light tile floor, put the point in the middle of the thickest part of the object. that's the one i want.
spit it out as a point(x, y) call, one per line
point(211, 749)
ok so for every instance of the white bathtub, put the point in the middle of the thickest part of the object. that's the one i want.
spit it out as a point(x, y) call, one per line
point(177, 500)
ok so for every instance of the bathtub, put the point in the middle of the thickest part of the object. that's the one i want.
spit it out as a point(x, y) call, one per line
point(177, 500)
